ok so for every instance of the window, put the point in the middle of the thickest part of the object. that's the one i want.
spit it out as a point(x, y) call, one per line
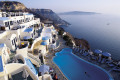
point(49, 40)
point(17, 21)
point(32, 35)
point(12, 42)
point(19, 36)
point(15, 39)
point(6, 24)
point(11, 22)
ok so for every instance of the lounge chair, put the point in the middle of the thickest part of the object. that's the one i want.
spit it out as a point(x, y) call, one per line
point(93, 57)
point(103, 60)
point(116, 69)
point(85, 54)
point(80, 51)
point(109, 61)
point(111, 64)
point(99, 60)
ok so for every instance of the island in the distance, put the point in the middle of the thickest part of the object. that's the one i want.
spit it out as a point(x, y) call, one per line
point(78, 13)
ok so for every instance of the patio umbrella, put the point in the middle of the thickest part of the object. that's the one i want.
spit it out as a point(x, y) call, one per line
point(43, 69)
point(97, 51)
point(106, 54)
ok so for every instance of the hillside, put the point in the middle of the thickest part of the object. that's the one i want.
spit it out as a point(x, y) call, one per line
point(50, 15)
point(11, 6)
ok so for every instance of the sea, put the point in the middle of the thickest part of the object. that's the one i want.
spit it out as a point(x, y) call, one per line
point(100, 30)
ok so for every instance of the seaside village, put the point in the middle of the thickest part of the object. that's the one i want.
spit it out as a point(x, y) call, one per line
point(26, 44)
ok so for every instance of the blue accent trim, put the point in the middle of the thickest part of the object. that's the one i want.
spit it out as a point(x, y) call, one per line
point(31, 66)
point(1, 64)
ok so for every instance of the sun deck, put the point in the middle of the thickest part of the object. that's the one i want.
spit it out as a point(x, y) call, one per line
point(75, 68)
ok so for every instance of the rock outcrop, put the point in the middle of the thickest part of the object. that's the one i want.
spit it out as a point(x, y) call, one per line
point(50, 15)
point(12, 6)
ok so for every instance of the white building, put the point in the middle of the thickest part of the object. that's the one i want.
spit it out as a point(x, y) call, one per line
point(16, 26)
point(20, 64)
point(15, 30)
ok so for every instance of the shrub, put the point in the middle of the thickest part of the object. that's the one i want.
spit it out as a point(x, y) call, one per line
point(60, 32)
point(69, 43)
point(30, 41)
point(66, 38)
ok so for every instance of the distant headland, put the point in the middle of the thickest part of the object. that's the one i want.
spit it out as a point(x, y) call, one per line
point(78, 13)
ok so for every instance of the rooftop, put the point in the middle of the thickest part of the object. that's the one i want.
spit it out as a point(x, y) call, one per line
point(28, 30)
point(43, 43)
point(29, 14)
point(4, 18)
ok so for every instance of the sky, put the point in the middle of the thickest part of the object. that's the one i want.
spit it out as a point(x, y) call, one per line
point(100, 6)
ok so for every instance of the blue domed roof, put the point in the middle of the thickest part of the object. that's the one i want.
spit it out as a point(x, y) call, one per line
point(45, 38)
point(43, 43)
point(97, 51)
point(28, 30)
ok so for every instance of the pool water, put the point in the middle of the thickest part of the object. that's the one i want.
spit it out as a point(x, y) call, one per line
point(75, 68)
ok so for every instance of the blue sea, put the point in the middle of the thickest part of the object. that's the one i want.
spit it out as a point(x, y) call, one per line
point(101, 31)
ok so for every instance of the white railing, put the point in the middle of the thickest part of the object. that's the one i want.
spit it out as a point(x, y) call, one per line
point(35, 41)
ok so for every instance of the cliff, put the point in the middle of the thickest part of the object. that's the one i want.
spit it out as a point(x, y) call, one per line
point(11, 6)
point(50, 15)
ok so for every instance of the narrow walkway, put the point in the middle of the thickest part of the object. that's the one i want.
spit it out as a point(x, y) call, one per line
point(49, 60)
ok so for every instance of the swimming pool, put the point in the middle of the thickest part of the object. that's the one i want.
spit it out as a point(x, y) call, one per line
point(75, 68)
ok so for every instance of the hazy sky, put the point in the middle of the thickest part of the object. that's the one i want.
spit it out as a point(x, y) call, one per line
point(101, 6)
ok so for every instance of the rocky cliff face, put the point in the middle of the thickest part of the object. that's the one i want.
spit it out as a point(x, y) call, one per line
point(50, 15)
point(11, 5)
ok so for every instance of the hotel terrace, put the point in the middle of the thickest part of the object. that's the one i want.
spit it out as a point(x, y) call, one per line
point(22, 41)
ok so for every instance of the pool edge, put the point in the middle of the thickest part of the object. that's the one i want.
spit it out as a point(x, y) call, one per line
point(110, 76)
